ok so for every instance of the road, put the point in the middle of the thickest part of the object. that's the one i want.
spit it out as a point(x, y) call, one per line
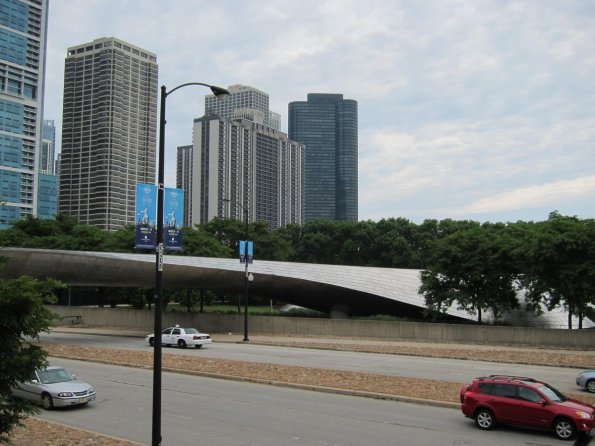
point(454, 370)
point(208, 411)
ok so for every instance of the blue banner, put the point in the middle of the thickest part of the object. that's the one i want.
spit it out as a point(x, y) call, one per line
point(242, 251)
point(250, 252)
point(246, 251)
point(146, 216)
point(173, 211)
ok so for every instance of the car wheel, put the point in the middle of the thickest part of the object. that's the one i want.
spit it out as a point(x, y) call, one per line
point(198, 346)
point(152, 342)
point(564, 429)
point(484, 419)
point(182, 343)
point(47, 402)
point(591, 386)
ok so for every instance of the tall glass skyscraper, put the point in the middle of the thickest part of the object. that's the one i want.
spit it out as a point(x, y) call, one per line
point(48, 147)
point(327, 125)
point(109, 131)
point(23, 30)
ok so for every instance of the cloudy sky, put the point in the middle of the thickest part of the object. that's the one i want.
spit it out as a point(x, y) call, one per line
point(481, 110)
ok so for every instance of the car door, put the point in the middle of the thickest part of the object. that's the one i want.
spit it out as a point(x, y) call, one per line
point(533, 410)
point(29, 390)
point(166, 338)
point(175, 335)
point(504, 402)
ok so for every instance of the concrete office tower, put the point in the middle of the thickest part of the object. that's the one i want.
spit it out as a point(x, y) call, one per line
point(23, 32)
point(327, 125)
point(250, 164)
point(184, 179)
point(48, 148)
point(109, 131)
point(243, 102)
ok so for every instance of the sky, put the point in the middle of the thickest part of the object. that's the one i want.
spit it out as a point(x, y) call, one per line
point(471, 110)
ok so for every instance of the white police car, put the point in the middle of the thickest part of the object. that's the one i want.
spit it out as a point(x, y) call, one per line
point(180, 336)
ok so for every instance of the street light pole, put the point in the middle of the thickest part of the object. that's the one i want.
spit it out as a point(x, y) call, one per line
point(247, 277)
point(157, 357)
point(246, 281)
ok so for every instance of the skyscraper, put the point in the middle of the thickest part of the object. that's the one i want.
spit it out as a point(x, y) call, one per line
point(109, 131)
point(23, 31)
point(48, 147)
point(47, 203)
point(243, 102)
point(253, 166)
point(327, 125)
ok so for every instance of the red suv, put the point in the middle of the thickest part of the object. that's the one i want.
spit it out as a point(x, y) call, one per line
point(525, 402)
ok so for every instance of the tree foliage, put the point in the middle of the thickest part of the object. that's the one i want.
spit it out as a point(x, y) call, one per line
point(23, 318)
point(560, 264)
point(471, 268)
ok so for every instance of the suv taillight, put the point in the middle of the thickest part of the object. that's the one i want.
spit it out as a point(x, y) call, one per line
point(465, 395)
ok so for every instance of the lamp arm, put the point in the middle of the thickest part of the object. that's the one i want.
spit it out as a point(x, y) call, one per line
point(184, 85)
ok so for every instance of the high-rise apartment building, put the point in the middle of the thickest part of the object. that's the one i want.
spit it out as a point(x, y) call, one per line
point(239, 164)
point(23, 33)
point(109, 129)
point(243, 102)
point(327, 125)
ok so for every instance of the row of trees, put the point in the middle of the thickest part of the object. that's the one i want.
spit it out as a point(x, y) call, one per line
point(478, 267)
point(394, 243)
point(483, 267)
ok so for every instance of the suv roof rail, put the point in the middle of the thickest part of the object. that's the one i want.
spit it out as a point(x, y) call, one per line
point(514, 377)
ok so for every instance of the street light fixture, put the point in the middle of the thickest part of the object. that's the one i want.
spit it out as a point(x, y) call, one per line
point(156, 431)
point(247, 278)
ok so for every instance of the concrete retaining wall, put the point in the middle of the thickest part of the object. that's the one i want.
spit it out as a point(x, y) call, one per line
point(265, 325)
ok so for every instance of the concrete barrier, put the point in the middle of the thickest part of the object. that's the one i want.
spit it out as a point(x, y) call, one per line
point(278, 325)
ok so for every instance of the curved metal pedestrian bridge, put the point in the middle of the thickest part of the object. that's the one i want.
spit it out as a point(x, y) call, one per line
point(341, 291)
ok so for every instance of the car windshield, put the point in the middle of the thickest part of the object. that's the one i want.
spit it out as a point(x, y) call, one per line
point(53, 376)
point(552, 394)
point(191, 331)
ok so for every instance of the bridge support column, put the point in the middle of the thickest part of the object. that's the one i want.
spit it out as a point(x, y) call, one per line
point(339, 311)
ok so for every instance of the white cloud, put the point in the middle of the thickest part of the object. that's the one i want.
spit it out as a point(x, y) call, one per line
point(533, 196)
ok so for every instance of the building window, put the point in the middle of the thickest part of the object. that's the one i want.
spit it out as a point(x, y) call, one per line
point(30, 92)
point(14, 87)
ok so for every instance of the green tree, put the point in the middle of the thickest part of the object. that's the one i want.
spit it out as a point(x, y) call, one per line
point(393, 244)
point(23, 317)
point(560, 264)
point(122, 240)
point(471, 267)
point(200, 242)
point(62, 233)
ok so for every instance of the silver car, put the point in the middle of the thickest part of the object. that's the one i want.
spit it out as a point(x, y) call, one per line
point(55, 387)
point(586, 380)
